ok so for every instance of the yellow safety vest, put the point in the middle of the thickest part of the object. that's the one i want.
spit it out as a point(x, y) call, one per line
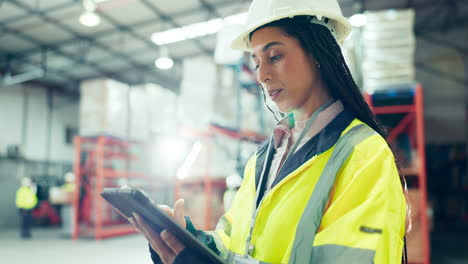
point(363, 222)
point(25, 198)
point(69, 187)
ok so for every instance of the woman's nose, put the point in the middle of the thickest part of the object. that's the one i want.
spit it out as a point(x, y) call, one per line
point(263, 73)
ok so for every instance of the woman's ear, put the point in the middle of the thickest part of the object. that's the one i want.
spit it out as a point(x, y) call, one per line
point(314, 61)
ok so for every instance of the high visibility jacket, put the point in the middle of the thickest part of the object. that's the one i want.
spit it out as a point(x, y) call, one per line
point(69, 187)
point(363, 216)
point(25, 198)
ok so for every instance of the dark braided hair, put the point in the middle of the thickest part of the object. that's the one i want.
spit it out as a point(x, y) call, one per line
point(318, 41)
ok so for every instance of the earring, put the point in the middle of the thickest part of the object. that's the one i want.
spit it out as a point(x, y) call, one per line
point(318, 64)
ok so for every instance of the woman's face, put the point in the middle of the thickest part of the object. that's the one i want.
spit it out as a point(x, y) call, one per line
point(289, 76)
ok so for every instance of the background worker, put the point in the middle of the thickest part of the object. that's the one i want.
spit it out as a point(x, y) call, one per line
point(66, 212)
point(26, 200)
point(324, 188)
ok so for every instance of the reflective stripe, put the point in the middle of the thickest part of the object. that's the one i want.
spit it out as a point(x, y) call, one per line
point(242, 259)
point(338, 254)
point(223, 251)
point(303, 250)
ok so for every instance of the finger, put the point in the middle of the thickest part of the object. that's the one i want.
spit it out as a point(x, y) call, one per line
point(179, 212)
point(155, 240)
point(134, 224)
point(166, 209)
point(172, 242)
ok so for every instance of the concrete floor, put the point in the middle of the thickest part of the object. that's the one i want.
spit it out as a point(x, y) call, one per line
point(48, 247)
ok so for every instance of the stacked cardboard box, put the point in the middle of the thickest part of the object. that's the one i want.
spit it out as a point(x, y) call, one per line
point(104, 108)
point(162, 105)
point(197, 93)
point(388, 44)
point(139, 123)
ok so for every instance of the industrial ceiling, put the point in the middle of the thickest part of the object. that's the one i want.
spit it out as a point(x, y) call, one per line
point(42, 40)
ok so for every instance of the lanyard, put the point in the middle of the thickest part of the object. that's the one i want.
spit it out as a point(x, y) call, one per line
point(307, 127)
point(248, 246)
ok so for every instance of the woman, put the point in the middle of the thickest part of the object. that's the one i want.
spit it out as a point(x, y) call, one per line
point(324, 188)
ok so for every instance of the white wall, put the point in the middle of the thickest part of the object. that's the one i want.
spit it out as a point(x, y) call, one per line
point(11, 108)
point(12, 100)
point(65, 114)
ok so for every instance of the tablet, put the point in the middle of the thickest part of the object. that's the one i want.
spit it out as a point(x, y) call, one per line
point(130, 200)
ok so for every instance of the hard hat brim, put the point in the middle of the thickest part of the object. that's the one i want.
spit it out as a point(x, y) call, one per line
point(342, 26)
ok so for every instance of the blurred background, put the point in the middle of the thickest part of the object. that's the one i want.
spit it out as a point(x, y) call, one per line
point(147, 93)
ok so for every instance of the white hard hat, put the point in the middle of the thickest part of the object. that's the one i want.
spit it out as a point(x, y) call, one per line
point(26, 181)
point(69, 176)
point(233, 181)
point(262, 12)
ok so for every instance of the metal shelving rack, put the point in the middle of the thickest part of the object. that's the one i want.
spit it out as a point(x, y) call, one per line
point(207, 181)
point(94, 171)
point(412, 122)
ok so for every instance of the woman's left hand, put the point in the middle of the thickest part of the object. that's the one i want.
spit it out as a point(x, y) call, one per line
point(166, 245)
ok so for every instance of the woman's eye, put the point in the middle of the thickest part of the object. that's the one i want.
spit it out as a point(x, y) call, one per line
point(275, 58)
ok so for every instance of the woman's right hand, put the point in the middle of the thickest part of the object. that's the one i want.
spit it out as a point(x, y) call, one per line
point(165, 244)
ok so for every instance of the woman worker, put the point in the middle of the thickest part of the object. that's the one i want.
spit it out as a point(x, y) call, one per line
point(324, 188)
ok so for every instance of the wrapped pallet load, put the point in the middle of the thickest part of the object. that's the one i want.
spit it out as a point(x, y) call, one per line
point(104, 108)
point(388, 45)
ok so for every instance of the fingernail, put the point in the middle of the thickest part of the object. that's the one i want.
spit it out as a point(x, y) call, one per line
point(163, 233)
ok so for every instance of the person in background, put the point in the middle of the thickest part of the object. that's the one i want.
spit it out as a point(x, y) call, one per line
point(66, 212)
point(324, 187)
point(26, 200)
point(233, 182)
point(69, 185)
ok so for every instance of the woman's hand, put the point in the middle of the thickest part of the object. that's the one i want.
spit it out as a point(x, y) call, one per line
point(166, 245)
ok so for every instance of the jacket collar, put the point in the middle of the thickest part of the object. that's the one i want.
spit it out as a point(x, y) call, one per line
point(318, 144)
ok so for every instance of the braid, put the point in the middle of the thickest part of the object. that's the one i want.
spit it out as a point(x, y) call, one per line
point(318, 41)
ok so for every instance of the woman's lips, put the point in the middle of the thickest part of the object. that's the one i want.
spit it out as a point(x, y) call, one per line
point(275, 94)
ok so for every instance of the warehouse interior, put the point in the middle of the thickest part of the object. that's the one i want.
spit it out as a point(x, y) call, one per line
point(149, 94)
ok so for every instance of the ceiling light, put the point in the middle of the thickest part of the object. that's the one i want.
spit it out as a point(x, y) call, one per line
point(90, 19)
point(196, 30)
point(172, 149)
point(358, 20)
point(164, 63)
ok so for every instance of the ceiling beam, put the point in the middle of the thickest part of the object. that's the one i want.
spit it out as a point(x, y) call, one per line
point(104, 33)
point(172, 21)
point(106, 48)
point(54, 8)
point(67, 55)
point(210, 8)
